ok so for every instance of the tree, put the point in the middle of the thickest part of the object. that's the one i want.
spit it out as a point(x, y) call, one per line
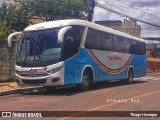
point(15, 17)
point(4, 30)
point(55, 9)
point(18, 17)
point(12, 18)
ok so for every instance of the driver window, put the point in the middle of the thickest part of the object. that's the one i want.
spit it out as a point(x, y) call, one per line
point(72, 41)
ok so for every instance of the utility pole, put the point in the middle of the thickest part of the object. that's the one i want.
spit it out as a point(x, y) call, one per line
point(91, 10)
point(69, 9)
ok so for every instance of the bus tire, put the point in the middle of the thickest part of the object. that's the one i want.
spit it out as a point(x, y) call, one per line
point(86, 81)
point(130, 76)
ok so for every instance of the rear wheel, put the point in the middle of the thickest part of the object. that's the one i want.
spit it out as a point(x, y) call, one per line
point(86, 81)
point(130, 77)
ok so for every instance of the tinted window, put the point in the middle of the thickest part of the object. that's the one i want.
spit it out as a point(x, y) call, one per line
point(93, 40)
point(139, 48)
point(119, 44)
point(72, 41)
point(129, 45)
point(108, 41)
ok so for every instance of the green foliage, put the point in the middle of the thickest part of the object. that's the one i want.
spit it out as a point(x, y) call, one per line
point(18, 18)
point(15, 17)
point(4, 30)
point(55, 9)
point(12, 18)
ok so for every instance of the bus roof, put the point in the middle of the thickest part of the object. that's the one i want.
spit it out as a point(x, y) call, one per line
point(67, 22)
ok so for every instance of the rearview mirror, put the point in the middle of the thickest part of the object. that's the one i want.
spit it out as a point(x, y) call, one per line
point(11, 36)
point(62, 32)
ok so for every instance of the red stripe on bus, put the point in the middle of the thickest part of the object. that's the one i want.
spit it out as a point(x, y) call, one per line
point(105, 68)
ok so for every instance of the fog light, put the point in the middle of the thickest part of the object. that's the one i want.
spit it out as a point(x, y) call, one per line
point(55, 79)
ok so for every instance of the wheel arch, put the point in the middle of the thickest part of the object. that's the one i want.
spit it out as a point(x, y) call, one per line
point(90, 69)
point(130, 68)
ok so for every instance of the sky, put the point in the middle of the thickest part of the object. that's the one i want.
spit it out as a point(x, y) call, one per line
point(147, 10)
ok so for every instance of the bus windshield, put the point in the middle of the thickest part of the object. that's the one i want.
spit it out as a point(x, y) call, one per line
point(39, 48)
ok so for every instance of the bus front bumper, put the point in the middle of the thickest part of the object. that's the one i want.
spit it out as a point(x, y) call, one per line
point(56, 79)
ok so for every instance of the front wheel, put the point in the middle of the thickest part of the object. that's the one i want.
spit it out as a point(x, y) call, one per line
point(86, 82)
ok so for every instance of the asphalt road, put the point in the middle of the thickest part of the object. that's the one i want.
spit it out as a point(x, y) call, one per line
point(142, 95)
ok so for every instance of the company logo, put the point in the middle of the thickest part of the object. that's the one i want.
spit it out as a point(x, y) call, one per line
point(38, 70)
point(33, 71)
point(114, 58)
point(33, 75)
point(6, 114)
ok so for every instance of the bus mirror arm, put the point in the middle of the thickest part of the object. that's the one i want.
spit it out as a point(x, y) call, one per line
point(11, 36)
point(62, 32)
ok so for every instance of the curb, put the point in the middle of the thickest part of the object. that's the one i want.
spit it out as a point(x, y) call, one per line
point(19, 90)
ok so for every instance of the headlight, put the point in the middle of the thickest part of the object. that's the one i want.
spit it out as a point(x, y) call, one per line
point(55, 70)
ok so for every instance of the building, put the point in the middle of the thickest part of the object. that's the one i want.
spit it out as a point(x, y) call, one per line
point(152, 45)
point(152, 39)
point(37, 19)
point(127, 26)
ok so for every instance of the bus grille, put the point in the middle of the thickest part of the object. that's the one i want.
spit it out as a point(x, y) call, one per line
point(29, 74)
point(41, 81)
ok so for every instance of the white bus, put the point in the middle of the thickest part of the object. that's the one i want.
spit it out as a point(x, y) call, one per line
point(77, 52)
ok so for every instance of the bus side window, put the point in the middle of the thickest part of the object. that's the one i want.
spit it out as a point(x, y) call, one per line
point(119, 43)
point(140, 48)
point(108, 41)
point(93, 40)
point(131, 49)
point(129, 44)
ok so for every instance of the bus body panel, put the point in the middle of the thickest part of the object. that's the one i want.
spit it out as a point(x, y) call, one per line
point(74, 66)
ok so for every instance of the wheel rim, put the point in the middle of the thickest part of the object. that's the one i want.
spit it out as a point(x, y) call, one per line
point(85, 81)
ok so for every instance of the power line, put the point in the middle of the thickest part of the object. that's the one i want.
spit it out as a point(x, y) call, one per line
point(128, 11)
point(138, 9)
point(107, 8)
point(125, 10)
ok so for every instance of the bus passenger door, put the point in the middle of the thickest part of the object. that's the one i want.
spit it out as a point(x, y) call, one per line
point(70, 52)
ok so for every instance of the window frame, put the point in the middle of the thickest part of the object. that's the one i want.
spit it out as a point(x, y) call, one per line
point(126, 47)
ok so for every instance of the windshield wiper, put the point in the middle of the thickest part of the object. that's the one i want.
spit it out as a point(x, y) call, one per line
point(23, 62)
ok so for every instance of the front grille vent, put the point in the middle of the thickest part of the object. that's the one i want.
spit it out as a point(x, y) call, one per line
point(30, 74)
point(40, 81)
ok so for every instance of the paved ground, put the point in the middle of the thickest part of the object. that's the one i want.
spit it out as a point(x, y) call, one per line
point(13, 85)
point(143, 95)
